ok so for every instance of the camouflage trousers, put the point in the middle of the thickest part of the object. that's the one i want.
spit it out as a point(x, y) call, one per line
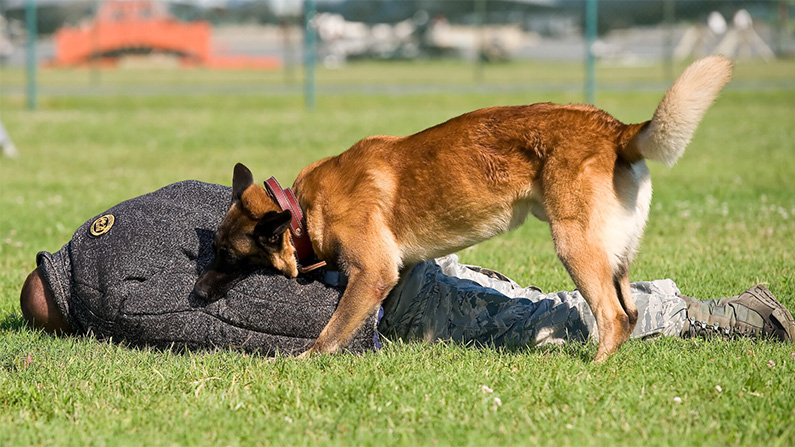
point(446, 300)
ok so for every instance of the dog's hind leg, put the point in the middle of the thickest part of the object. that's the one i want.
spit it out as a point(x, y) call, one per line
point(621, 283)
point(588, 265)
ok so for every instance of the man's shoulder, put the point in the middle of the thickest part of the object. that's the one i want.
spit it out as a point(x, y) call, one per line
point(193, 188)
point(186, 196)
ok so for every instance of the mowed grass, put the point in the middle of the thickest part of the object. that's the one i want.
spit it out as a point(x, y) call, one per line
point(722, 220)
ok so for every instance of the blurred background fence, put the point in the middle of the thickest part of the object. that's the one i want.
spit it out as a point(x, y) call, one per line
point(99, 47)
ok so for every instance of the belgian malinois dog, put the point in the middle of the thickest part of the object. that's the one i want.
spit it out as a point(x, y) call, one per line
point(388, 203)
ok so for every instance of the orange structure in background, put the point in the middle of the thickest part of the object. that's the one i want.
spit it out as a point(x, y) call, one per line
point(125, 27)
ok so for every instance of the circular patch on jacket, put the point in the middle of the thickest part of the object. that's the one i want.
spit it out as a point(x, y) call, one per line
point(102, 225)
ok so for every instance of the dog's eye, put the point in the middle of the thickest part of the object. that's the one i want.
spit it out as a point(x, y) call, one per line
point(227, 255)
point(273, 239)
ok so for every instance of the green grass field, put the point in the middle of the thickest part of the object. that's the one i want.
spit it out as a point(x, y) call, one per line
point(722, 220)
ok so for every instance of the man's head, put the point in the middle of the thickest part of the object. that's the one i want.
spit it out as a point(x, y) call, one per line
point(253, 235)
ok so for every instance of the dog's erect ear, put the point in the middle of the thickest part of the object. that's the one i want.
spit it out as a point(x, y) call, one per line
point(271, 226)
point(241, 180)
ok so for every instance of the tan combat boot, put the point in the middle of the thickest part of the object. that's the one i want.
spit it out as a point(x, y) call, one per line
point(754, 313)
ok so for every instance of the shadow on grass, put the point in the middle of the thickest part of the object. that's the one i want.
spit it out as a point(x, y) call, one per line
point(582, 351)
point(576, 350)
point(14, 322)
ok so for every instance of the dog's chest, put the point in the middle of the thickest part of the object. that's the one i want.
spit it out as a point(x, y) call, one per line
point(524, 207)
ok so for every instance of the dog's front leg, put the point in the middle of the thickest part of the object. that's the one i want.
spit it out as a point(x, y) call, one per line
point(367, 288)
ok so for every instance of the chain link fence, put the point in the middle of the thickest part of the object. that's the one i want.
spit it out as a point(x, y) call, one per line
point(133, 46)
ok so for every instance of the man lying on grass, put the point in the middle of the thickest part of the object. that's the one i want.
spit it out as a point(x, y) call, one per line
point(128, 275)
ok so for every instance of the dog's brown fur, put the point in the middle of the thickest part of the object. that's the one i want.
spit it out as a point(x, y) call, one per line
point(390, 202)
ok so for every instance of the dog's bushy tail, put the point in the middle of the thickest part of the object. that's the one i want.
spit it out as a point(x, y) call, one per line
point(666, 136)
